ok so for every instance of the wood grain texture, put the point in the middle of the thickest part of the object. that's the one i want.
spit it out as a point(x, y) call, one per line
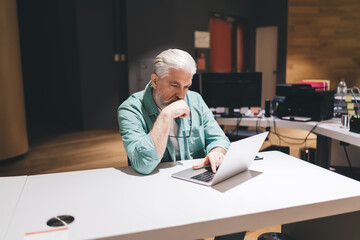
point(69, 152)
point(82, 150)
point(324, 41)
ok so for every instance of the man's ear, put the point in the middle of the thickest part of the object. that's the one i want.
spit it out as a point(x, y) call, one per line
point(154, 80)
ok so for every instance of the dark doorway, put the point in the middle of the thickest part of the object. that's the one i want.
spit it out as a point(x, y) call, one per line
point(74, 61)
point(228, 44)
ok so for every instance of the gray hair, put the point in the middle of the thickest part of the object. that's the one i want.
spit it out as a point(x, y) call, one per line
point(173, 59)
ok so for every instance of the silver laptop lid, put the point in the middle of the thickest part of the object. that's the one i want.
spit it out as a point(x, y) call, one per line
point(239, 157)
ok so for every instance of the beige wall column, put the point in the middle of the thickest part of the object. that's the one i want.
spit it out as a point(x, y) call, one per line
point(13, 135)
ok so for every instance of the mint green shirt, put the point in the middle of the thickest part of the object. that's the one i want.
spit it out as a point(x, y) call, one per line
point(137, 115)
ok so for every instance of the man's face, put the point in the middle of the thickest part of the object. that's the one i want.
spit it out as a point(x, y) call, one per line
point(170, 88)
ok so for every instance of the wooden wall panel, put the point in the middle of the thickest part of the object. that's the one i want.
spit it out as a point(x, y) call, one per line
point(13, 133)
point(324, 41)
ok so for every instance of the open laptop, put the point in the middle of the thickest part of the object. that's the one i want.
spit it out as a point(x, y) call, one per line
point(238, 158)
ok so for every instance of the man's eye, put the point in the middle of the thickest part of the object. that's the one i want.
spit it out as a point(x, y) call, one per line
point(175, 85)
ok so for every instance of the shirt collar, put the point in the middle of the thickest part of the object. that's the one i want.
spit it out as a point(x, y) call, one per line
point(148, 101)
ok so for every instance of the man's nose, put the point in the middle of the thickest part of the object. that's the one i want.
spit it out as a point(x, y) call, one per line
point(181, 93)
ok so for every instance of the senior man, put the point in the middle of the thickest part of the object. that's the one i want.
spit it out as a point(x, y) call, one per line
point(167, 122)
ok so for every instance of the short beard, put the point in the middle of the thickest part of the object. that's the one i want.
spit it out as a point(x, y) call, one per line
point(161, 103)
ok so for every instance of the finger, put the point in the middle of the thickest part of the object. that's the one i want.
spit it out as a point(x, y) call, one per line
point(213, 166)
point(202, 164)
point(184, 115)
point(219, 162)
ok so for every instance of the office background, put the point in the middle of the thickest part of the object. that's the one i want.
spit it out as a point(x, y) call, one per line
point(65, 66)
point(68, 50)
point(72, 83)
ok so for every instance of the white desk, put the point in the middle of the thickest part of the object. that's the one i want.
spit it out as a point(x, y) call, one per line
point(265, 122)
point(10, 192)
point(120, 204)
point(325, 130)
point(328, 128)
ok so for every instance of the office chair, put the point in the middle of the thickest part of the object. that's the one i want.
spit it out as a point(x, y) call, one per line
point(243, 132)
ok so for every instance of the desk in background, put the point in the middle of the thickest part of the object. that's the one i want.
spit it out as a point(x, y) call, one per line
point(117, 203)
point(325, 130)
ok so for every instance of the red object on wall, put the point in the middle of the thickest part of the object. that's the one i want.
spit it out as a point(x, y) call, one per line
point(220, 45)
point(201, 62)
point(240, 47)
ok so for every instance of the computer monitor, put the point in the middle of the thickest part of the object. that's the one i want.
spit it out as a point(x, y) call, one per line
point(196, 83)
point(232, 90)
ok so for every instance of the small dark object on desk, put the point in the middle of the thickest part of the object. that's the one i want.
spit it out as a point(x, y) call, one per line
point(267, 108)
point(61, 220)
point(355, 124)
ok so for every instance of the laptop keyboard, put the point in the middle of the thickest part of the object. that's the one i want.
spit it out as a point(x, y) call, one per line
point(205, 176)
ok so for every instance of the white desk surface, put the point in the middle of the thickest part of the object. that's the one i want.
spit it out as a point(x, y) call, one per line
point(121, 204)
point(329, 128)
point(10, 192)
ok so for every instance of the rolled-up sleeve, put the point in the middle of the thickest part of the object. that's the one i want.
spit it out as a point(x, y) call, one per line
point(137, 141)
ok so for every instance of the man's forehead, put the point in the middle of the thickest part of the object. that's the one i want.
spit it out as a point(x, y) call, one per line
point(180, 82)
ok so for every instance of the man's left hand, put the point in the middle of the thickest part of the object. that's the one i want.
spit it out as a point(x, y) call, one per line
point(214, 159)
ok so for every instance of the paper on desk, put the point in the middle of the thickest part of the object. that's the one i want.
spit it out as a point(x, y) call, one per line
point(54, 234)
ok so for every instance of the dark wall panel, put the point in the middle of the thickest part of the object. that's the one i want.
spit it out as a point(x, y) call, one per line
point(67, 47)
point(49, 65)
point(99, 86)
point(274, 13)
point(157, 25)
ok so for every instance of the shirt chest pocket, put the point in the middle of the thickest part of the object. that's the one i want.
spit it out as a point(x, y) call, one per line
point(197, 142)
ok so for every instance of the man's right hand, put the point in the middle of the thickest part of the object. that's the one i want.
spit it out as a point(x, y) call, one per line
point(160, 131)
point(177, 109)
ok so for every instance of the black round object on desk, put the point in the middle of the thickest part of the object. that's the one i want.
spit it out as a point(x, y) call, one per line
point(61, 220)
